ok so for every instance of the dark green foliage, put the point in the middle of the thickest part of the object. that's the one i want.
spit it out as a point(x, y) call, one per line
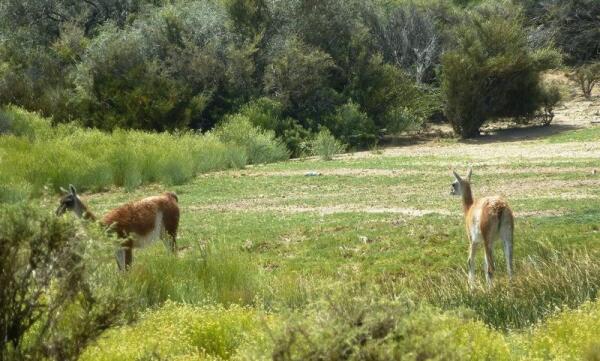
point(549, 98)
point(352, 126)
point(574, 25)
point(51, 306)
point(491, 72)
point(298, 77)
point(166, 65)
point(267, 113)
point(168, 71)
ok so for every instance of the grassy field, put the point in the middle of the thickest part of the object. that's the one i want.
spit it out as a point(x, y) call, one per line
point(267, 242)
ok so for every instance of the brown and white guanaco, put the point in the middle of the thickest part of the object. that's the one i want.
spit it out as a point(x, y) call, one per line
point(138, 223)
point(486, 219)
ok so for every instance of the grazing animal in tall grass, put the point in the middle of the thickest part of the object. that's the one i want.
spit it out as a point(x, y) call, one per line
point(486, 219)
point(138, 223)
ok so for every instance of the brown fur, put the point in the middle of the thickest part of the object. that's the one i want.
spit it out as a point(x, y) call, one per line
point(132, 220)
point(494, 218)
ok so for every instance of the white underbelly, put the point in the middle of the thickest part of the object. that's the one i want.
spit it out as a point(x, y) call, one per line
point(142, 241)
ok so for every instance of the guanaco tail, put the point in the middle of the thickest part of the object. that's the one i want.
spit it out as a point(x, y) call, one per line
point(486, 219)
point(138, 223)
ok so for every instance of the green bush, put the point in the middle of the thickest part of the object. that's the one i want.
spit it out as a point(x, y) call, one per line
point(267, 114)
point(325, 145)
point(574, 25)
point(491, 72)
point(352, 126)
point(182, 332)
point(260, 145)
point(382, 91)
point(52, 302)
point(348, 326)
point(549, 97)
point(298, 77)
point(571, 335)
point(586, 77)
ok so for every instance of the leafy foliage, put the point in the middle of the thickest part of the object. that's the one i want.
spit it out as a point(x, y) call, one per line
point(325, 145)
point(51, 303)
point(491, 72)
point(363, 327)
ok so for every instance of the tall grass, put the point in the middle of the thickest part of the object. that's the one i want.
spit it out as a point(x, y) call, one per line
point(207, 275)
point(37, 154)
point(544, 283)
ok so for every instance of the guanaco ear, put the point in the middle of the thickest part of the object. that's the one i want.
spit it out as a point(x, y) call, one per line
point(456, 176)
point(469, 174)
point(73, 190)
point(64, 191)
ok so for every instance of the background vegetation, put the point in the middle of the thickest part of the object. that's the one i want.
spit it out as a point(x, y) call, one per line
point(362, 69)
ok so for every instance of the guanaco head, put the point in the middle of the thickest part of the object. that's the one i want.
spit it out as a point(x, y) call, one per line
point(459, 185)
point(70, 201)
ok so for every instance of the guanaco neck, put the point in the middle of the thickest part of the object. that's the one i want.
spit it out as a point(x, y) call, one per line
point(87, 214)
point(467, 197)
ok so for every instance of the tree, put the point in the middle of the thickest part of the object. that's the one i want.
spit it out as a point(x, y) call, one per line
point(586, 77)
point(407, 37)
point(491, 72)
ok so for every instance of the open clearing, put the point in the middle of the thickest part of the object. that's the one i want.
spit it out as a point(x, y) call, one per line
point(377, 218)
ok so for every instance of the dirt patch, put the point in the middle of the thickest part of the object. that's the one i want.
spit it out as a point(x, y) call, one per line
point(546, 213)
point(323, 210)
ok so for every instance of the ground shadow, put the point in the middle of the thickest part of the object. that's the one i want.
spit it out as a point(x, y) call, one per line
point(519, 134)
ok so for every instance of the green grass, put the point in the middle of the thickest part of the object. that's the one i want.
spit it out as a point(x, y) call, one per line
point(270, 240)
point(36, 155)
point(580, 135)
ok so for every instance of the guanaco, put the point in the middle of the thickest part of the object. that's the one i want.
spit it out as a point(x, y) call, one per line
point(138, 223)
point(486, 219)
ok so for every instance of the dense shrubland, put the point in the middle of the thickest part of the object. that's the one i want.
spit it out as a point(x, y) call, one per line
point(158, 65)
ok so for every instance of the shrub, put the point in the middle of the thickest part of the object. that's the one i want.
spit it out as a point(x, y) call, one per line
point(382, 91)
point(586, 77)
point(366, 327)
point(352, 126)
point(569, 335)
point(260, 145)
point(325, 145)
point(52, 304)
point(542, 285)
point(298, 77)
point(183, 332)
point(267, 114)
point(407, 36)
point(491, 72)
point(550, 97)
point(573, 25)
